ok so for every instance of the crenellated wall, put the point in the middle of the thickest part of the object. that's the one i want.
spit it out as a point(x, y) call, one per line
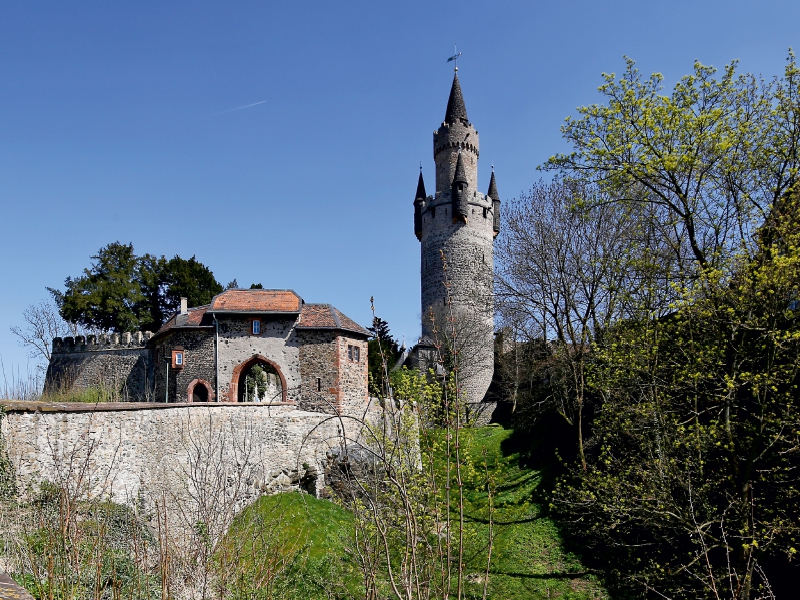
point(119, 362)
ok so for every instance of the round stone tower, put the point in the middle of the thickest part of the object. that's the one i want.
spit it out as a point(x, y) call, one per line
point(458, 223)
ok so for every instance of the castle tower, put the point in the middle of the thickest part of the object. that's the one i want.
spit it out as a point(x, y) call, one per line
point(459, 223)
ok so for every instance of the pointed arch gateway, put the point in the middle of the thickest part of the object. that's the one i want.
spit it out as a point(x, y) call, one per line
point(236, 388)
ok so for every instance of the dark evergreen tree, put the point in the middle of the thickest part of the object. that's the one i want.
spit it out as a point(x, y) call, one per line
point(382, 355)
point(124, 292)
point(108, 295)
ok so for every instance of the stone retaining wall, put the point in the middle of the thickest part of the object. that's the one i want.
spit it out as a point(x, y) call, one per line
point(127, 451)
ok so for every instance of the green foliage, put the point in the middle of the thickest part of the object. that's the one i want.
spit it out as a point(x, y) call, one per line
point(696, 442)
point(125, 292)
point(100, 392)
point(529, 559)
point(382, 354)
point(288, 546)
point(710, 159)
point(380, 360)
point(314, 538)
point(190, 279)
point(108, 294)
point(255, 384)
point(87, 549)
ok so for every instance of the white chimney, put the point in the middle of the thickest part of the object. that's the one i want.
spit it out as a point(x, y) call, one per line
point(184, 306)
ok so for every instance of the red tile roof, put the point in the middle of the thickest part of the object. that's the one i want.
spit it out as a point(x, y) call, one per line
point(312, 316)
point(325, 316)
point(257, 301)
point(196, 317)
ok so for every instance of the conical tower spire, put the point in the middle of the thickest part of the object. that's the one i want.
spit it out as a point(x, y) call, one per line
point(492, 193)
point(421, 187)
point(456, 109)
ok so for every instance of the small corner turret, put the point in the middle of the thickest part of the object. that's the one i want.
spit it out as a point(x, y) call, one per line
point(419, 205)
point(458, 192)
point(492, 193)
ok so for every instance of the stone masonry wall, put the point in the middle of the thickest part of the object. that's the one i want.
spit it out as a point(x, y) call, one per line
point(161, 449)
point(353, 378)
point(330, 379)
point(118, 362)
point(318, 371)
point(198, 363)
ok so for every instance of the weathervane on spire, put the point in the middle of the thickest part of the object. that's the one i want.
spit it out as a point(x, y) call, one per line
point(455, 56)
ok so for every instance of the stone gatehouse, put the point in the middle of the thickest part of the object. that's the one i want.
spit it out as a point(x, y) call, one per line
point(264, 346)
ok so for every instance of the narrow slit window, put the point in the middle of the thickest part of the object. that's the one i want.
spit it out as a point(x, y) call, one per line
point(256, 329)
point(319, 384)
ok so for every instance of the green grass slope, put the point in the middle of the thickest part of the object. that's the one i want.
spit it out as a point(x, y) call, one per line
point(529, 560)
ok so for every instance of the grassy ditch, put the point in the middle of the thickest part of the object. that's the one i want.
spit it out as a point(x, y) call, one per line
point(528, 559)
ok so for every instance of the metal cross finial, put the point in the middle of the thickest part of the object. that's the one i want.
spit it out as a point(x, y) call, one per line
point(455, 56)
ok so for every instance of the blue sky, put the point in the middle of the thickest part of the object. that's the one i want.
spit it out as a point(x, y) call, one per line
point(112, 126)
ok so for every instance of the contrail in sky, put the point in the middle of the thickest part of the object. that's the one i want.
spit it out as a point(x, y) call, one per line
point(237, 108)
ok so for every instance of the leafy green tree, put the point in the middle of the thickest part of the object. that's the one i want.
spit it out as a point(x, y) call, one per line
point(191, 279)
point(256, 286)
point(691, 489)
point(711, 159)
point(255, 384)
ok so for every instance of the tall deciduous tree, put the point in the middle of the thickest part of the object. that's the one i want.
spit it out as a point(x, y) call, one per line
point(713, 157)
point(561, 278)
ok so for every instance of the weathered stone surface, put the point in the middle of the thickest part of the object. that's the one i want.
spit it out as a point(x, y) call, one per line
point(81, 363)
point(198, 348)
point(125, 453)
point(9, 590)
